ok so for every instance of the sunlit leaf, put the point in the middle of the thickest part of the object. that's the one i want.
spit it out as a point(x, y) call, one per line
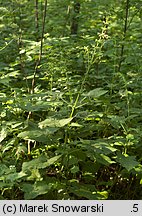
point(3, 133)
point(96, 93)
point(39, 163)
point(73, 124)
point(103, 159)
point(50, 122)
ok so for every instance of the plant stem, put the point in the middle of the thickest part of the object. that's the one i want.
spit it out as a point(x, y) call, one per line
point(37, 20)
point(124, 34)
point(41, 47)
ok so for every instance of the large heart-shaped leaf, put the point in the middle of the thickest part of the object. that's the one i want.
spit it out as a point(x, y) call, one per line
point(31, 191)
point(39, 163)
point(129, 162)
point(37, 134)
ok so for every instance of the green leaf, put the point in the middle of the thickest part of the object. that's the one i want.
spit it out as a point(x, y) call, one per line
point(96, 93)
point(104, 194)
point(71, 160)
point(13, 74)
point(116, 121)
point(12, 177)
point(3, 10)
point(138, 170)
point(37, 134)
point(5, 81)
point(39, 163)
point(35, 175)
point(9, 174)
point(74, 169)
point(31, 191)
point(21, 150)
point(84, 193)
point(3, 169)
point(87, 191)
point(73, 124)
point(103, 159)
point(129, 162)
point(38, 106)
point(103, 147)
point(2, 198)
point(52, 160)
point(3, 133)
point(36, 163)
point(51, 122)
